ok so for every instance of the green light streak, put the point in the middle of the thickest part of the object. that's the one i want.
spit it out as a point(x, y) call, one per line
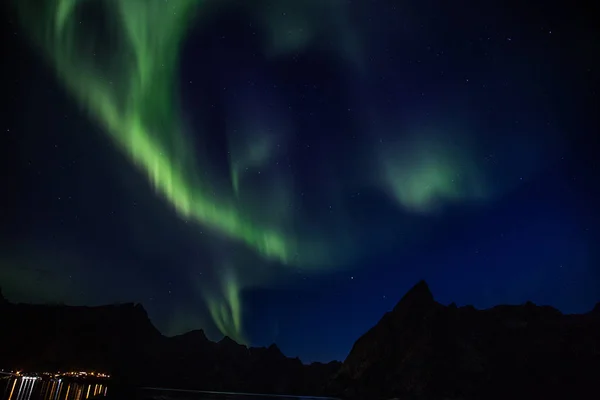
point(227, 312)
point(131, 92)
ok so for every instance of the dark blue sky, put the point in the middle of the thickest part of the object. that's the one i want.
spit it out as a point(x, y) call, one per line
point(511, 86)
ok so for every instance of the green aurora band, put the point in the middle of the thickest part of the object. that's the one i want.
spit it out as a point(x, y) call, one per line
point(124, 73)
point(131, 92)
point(126, 78)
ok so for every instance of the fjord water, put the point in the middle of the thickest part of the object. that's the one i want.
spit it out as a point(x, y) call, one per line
point(174, 394)
point(24, 388)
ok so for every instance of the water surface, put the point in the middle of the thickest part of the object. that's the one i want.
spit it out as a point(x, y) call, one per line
point(175, 394)
point(27, 388)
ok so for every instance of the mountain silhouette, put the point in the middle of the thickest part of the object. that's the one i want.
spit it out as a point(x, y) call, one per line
point(421, 349)
point(121, 340)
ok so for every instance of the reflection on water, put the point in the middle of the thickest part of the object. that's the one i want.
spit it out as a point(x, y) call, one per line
point(30, 388)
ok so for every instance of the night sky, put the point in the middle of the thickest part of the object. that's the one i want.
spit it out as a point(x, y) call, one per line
point(284, 170)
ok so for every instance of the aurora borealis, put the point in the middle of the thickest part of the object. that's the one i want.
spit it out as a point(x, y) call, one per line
point(242, 167)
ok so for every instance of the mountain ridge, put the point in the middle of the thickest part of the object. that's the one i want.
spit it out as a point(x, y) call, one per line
point(121, 340)
point(419, 349)
point(423, 349)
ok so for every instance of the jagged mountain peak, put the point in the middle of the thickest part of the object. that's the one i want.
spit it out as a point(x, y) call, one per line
point(419, 294)
point(427, 350)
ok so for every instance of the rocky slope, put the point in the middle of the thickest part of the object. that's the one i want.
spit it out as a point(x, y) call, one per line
point(121, 339)
point(424, 350)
